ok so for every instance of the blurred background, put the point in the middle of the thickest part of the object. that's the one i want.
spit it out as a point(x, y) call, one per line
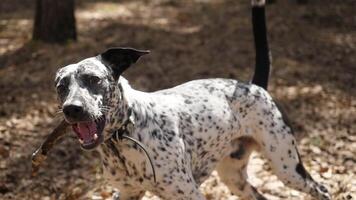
point(314, 66)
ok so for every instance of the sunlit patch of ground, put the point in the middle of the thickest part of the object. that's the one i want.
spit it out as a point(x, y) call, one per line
point(13, 34)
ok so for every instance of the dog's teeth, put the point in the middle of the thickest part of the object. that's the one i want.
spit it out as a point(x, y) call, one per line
point(95, 136)
point(81, 141)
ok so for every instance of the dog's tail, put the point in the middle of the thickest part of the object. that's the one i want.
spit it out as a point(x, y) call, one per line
point(263, 59)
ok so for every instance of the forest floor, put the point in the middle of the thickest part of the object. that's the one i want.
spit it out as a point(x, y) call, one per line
point(314, 68)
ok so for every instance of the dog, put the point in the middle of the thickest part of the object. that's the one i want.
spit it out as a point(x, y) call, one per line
point(186, 131)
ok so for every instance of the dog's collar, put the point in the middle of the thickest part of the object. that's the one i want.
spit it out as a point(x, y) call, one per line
point(126, 127)
point(123, 133)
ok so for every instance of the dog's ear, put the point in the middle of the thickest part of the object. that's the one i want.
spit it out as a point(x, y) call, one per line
point(119, 59)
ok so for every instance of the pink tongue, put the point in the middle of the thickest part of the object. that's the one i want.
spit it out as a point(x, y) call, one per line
point(85, 131)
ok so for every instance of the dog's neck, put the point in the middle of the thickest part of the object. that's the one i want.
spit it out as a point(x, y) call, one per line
point(131, 105)
point(132, 111)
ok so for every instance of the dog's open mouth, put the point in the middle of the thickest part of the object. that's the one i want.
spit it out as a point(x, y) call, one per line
point(90, 134)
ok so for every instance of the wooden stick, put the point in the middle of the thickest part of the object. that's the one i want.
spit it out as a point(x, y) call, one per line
point(40, 154)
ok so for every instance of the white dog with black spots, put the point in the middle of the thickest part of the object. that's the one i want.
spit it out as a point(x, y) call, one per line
point(187, 131)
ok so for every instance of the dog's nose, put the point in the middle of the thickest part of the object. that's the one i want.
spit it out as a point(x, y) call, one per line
point(74, 110)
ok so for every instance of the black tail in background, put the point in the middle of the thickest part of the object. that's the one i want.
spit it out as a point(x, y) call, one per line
point(262, 60)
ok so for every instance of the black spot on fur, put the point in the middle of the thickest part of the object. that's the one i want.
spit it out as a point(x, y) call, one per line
point(323, 188)
point(301, 170)
point(187, 101)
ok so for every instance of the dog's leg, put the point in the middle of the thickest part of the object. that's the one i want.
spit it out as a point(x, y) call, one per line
point(232, 170)
point(179, 186)
point(279, 145)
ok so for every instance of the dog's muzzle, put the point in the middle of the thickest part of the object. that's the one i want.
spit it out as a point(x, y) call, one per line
point(88, 131)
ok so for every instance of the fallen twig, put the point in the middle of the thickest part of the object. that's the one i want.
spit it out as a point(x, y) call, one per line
point(41, 153)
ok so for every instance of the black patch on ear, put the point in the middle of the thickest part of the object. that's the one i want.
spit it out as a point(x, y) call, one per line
point(119, 58)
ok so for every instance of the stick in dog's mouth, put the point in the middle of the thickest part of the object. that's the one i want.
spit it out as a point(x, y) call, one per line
point(40, 154)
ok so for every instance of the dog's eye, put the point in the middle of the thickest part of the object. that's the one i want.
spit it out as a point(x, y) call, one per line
point(61, 88)
point(91, 80)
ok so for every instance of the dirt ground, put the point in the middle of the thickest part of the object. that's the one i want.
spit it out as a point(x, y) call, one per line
point(314, 68)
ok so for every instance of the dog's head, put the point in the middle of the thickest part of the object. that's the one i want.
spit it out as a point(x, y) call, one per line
point(88, 90)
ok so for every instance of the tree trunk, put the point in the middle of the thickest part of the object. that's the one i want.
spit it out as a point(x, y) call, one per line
point(54, 21)
point(302, 1)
